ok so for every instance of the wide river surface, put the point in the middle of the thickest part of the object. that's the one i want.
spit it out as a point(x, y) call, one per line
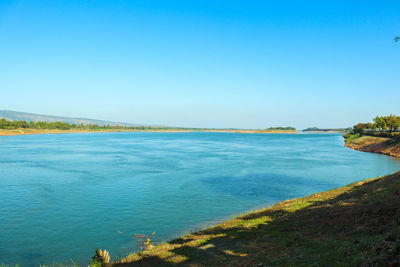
point(63, 195)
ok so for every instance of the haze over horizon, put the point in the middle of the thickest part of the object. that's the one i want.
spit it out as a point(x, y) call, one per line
point(220, 64)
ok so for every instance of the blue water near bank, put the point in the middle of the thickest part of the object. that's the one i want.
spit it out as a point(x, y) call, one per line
point(63, 195)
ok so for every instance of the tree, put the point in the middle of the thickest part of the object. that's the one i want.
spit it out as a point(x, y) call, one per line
point(380, 123)
point(4, 124)
point(391, 122)
point(360, 127)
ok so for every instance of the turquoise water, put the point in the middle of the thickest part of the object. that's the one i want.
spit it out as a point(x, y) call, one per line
point(62, 196)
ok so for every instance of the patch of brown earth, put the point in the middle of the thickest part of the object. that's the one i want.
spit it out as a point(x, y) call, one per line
point(381, 145)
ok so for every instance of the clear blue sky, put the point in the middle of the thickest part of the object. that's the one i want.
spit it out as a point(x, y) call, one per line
point(245, 64)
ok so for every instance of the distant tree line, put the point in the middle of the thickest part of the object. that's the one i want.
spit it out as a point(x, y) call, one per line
point(316, 129)
point(60, 125)
point(281, 129)
point(386, 126)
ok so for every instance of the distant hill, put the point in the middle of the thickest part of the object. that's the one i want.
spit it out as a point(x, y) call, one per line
point(28, 117)
point(327, 130)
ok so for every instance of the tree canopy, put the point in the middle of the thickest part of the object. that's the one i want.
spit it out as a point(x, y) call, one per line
point(381, 125)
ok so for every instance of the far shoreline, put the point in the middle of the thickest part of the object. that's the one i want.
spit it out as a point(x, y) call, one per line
point(28, 131)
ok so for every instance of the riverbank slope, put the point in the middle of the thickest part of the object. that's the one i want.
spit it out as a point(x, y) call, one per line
point(381, 145)
point(355, 225)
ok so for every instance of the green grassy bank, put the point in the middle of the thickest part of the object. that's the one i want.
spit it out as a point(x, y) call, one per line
point(355, 225)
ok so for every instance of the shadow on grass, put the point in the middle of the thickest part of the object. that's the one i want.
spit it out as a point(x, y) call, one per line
point(356, 225)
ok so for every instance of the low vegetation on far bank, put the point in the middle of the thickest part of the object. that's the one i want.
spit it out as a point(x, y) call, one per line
point(14, 127)
point(288, 128)
point(327, 130)
point(355, 225)
point(60, 125)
